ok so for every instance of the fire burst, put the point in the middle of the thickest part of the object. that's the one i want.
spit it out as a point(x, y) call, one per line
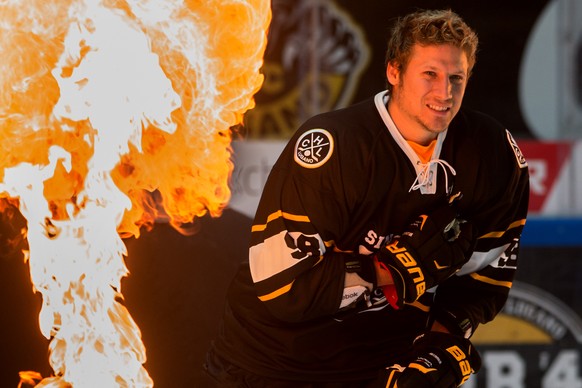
point(102, 103)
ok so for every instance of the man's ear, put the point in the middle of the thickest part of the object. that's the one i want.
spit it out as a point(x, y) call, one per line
point(393, 73)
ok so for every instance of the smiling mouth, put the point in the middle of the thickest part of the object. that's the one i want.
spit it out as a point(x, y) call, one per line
point(439, 108)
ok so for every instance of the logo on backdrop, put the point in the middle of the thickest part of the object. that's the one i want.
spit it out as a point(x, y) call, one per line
point(307, 70)
point(545, 312)
point(534, 341)
point(531, 316)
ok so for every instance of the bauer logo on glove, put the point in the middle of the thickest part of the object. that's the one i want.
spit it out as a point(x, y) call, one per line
point(441, 360)
point(430, 250)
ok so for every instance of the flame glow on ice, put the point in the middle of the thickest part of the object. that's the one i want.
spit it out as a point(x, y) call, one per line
point(102, 103)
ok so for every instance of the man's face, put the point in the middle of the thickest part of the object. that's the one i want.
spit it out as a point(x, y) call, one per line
point(428, 92)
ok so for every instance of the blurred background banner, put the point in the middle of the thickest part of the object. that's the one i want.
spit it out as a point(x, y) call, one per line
point(324, 55)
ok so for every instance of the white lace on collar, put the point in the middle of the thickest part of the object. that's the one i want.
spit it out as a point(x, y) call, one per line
point(426, 173)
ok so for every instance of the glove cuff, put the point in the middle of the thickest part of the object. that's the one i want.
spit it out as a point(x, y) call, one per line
point(363, 266)
point(393, 292)
point(457, 323)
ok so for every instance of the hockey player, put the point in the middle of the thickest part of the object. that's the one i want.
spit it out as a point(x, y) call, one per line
point(386, 233)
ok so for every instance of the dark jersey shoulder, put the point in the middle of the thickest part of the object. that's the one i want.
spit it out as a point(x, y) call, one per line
point(358, 137)
point(358, 125)
point(486, 158)
point(484, 130)
point(489, 138)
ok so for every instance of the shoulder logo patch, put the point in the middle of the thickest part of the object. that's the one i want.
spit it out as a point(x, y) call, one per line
point(313, 148)
point(518, 155)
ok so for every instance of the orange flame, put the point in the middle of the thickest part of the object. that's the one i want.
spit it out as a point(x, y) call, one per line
point(103, 103)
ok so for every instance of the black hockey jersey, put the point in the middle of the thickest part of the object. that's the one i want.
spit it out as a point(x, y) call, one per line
point(345, 183)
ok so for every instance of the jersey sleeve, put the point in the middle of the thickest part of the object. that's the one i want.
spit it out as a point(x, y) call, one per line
point(297, 269)
point(478, 292)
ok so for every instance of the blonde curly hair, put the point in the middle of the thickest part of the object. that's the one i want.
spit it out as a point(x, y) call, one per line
point(430, 27)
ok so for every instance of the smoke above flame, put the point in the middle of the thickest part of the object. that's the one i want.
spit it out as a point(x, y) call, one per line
point(102, 104)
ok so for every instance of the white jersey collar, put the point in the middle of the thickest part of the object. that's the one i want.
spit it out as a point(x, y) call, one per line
point(426, 173)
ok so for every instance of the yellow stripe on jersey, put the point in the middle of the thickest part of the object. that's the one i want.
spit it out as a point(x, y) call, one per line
point(391, 378)
point(284, 289)
point(279, 214)
point(421, 368)
point(276, 293)
point(515, 224)
point(420, 306)
point(329, 244)
point(485, 279)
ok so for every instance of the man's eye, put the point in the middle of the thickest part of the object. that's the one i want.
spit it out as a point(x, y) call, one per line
point(457, 79)
point(430, 73)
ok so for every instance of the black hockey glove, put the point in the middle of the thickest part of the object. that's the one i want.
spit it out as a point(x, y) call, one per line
point(442, 361)
point(433, 248)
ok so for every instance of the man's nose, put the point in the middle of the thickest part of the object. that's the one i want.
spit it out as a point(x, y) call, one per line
point(444, 88)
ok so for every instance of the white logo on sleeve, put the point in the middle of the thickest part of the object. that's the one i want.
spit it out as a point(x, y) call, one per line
point(314, 148)
point(518, 155)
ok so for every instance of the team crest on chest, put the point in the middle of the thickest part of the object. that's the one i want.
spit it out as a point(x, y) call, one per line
point(313, 148)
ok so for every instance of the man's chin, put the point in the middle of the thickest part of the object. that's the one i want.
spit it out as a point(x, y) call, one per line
point(438, 129)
